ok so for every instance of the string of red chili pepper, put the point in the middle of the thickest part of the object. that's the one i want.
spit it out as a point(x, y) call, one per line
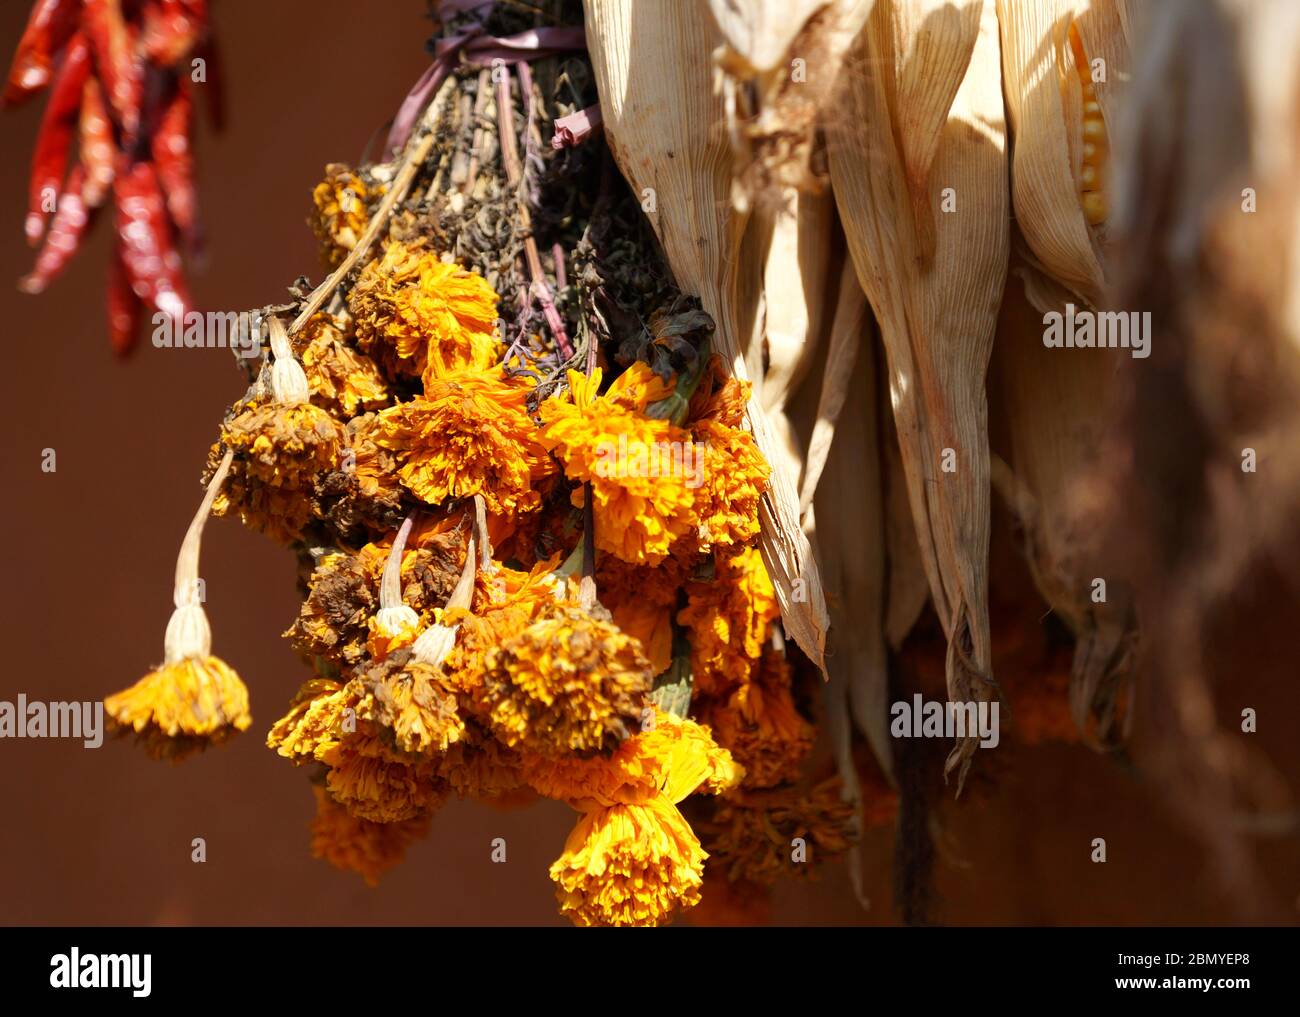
point(119, 74)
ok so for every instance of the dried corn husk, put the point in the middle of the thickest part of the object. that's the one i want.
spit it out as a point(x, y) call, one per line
point(774, 72)
point(795, 307)
point(1057, 403)
point(908, 588)
point(848, 328)
point(662, 122)
point(850, 530)
point(936, 318)
point(1045, 111)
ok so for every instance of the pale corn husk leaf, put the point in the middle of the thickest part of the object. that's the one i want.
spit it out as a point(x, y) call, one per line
point(759, 32)
point(796, 238)
point(850, 519)
point(1057, 403)
point(936, 320)
point(651, 60)
point(933, 41)
point(1045, 113)
point(773, 74)
point(796, 296)
point(908, 588)
point(848, 328)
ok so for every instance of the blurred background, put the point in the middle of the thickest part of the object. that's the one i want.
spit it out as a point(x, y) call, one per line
point(104, 836)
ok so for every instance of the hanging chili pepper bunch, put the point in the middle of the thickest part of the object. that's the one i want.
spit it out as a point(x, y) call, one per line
point(120, 74)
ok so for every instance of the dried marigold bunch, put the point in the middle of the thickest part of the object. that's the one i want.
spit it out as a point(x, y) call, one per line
point(530, 561)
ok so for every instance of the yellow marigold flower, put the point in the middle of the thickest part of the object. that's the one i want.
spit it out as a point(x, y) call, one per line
point(750, 832)
point(359, 845)
point(419, 316)
point(734, 476)
point(728, 618)
point(183, 706)
point(391, 630)
point(343, 381)
point(632, 859)
point(332, 724)
point(761, 726)
point(570, 682)
point(374, 467)
point(412, 701)
point(340, 215)
point(280, 451)
point(485, 770)
point(315, 721)
point(643, 496)
point(469, 434)
point(629, 865)
point(724, 404)
point(671, 756)
point(642, 600)
point(366, 780)
point(194, 699)
point(505, 603)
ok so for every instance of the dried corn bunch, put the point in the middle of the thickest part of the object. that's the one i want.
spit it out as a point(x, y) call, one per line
point(1064, 65)
point(1056, 405)
point(525, 506)
point(661, 116)
point(936, 308)
point(774, 73)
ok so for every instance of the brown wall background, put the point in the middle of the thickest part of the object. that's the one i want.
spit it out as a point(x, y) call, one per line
point(103, 836)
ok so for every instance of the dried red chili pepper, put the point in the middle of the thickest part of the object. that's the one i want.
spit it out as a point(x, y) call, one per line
point(49, 28)
point(174, 161)
point(64, 236)
point(124, 307)
point(152, 264)
point(171, 29)
point(96, 144)
point(53, 140)
point(113, 42)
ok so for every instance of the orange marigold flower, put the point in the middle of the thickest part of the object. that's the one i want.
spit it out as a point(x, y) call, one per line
point(670, 755)
point(642, 600)
point(280, 451)
point(642, 489)
point(365, 779)
point(633, 859)
point(419, 316)
point(483, 769)
point(629, 865)
point(569, 682)
point(721, 399)
point(340, 215)
point(412, 701)
point(750, 833)
point(183, 706)
point(728, 618)
point(761, 726)
point(469, 434)
point(332, 724)
point(316, 720)
point(359, 845)
point(734, 478)
point(343, 381)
